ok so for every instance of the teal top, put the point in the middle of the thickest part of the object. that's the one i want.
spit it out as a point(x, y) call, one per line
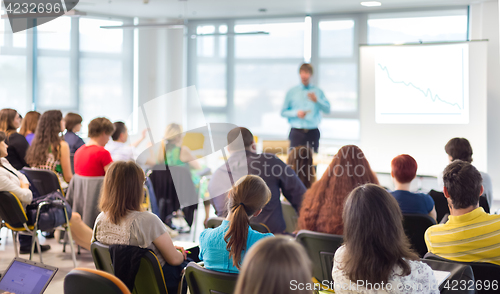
point(297, 99)
point(213, 248)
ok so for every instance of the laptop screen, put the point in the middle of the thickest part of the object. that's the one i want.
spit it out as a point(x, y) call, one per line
point(24, 278)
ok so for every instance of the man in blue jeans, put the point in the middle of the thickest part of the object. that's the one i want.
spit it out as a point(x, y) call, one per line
point(302, 107)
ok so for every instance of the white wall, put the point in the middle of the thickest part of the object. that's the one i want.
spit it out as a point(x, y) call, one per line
point(484, 24)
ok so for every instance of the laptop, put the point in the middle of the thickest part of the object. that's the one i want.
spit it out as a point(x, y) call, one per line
point(26, 277)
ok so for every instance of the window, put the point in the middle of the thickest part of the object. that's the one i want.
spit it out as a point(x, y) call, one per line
point(433, 26)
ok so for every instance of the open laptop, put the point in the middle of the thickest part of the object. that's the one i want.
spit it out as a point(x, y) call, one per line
point(26, 277)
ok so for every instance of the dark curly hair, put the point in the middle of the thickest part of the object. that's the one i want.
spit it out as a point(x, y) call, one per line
point(46, 137)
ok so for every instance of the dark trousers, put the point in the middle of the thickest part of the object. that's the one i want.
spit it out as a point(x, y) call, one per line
point(304, 137)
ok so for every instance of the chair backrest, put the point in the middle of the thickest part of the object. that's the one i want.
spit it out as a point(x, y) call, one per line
point(459, 274)
point(45, 181)
point(72, 162)
point(193, 141)
point(149, 278)
point(204, 281)
point(214, 222)
point(11, 210)
point(483, 272)
point(415, 226)
point(290, 216)
point(275, 146)
point(321, 249)
point(101, 256)
point(85, 280)
point(441, 204)
point(83, 195)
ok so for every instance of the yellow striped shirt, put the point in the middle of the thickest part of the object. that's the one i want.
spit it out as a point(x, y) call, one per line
point(474, 236)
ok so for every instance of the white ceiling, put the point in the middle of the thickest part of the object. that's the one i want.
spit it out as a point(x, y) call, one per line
point(192, 9)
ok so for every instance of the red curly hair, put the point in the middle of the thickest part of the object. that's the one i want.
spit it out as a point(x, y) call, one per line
point(322, 207)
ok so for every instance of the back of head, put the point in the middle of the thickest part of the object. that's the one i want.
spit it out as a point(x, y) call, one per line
point(348, 170)
point(29, 123)
point(122, 190)
point(99, 126)
point(173, 132)
point(459, 148)
point(272, 265)
point(46, 138)
point(404, 168)
point(72, 120)
point(7, 116)
point(248, 196)
point(300, 159)
point(463, 183)
point(120, 128)
point(371, 253)
point(245, 134)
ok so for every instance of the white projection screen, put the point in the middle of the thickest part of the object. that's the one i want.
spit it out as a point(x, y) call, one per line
point(414, 98)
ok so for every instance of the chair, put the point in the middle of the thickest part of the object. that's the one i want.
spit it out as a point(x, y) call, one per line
point(275, 146)
point(85, 280)
point(194, 141)
point(72, 162)
point(441, 204)
point(204, 281)
point(14, 215)
point(459, 273)
point(214, 222)
point(146, 203)
point(45, 181)
point(149, 278)
point(83, 196)
point(290, 216)
point(483, 272)
point(415, 226)
point(321, 249)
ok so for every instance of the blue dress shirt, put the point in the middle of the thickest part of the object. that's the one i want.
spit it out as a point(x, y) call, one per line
point(213, 248)
point(297, 99)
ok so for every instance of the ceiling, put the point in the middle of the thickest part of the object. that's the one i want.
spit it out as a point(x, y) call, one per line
point(199, 9)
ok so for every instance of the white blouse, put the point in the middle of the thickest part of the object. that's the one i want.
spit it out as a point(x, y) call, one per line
point(420, 280)
point(12, 183)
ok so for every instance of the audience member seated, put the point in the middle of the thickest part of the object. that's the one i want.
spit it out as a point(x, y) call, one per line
point(10, 121)
point(376, 249)
point(470, 234)
point(323, 204)
point(300, 159)
point(73, 125)
point(460, 148)
point(48, 151)
point(13, 181)
point(403, 171)
point(275, 265)
point(92, 160)
point(174, 154)
point(223, 248)
point(279, 177)
point(28, 125)
point(118, 148)
point(123, 222)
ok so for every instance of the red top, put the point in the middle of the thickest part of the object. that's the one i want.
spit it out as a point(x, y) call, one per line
point(91, 160)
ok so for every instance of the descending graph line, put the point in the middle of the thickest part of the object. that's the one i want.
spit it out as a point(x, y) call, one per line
point(427, 93)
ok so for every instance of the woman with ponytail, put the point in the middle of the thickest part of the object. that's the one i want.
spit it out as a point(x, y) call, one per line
point(223, 248)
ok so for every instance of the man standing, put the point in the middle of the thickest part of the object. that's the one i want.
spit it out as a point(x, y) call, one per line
point(302, 107)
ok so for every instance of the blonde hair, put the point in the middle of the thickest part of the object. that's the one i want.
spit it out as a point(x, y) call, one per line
point(173, 133)
point(122, 190)
point(270, 266)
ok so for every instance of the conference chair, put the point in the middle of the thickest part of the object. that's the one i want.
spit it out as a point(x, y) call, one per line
point(415, 226)
point(85, 280)
point(72, 162)
point(83, 196)
point(484, 273)
point(204, 281)
point(214, 222)
point(441, 204)
point(321, 249)
point(290, 216)
point(459, 274)
point(149, 278)
point(45, 181)
point(13, 214)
